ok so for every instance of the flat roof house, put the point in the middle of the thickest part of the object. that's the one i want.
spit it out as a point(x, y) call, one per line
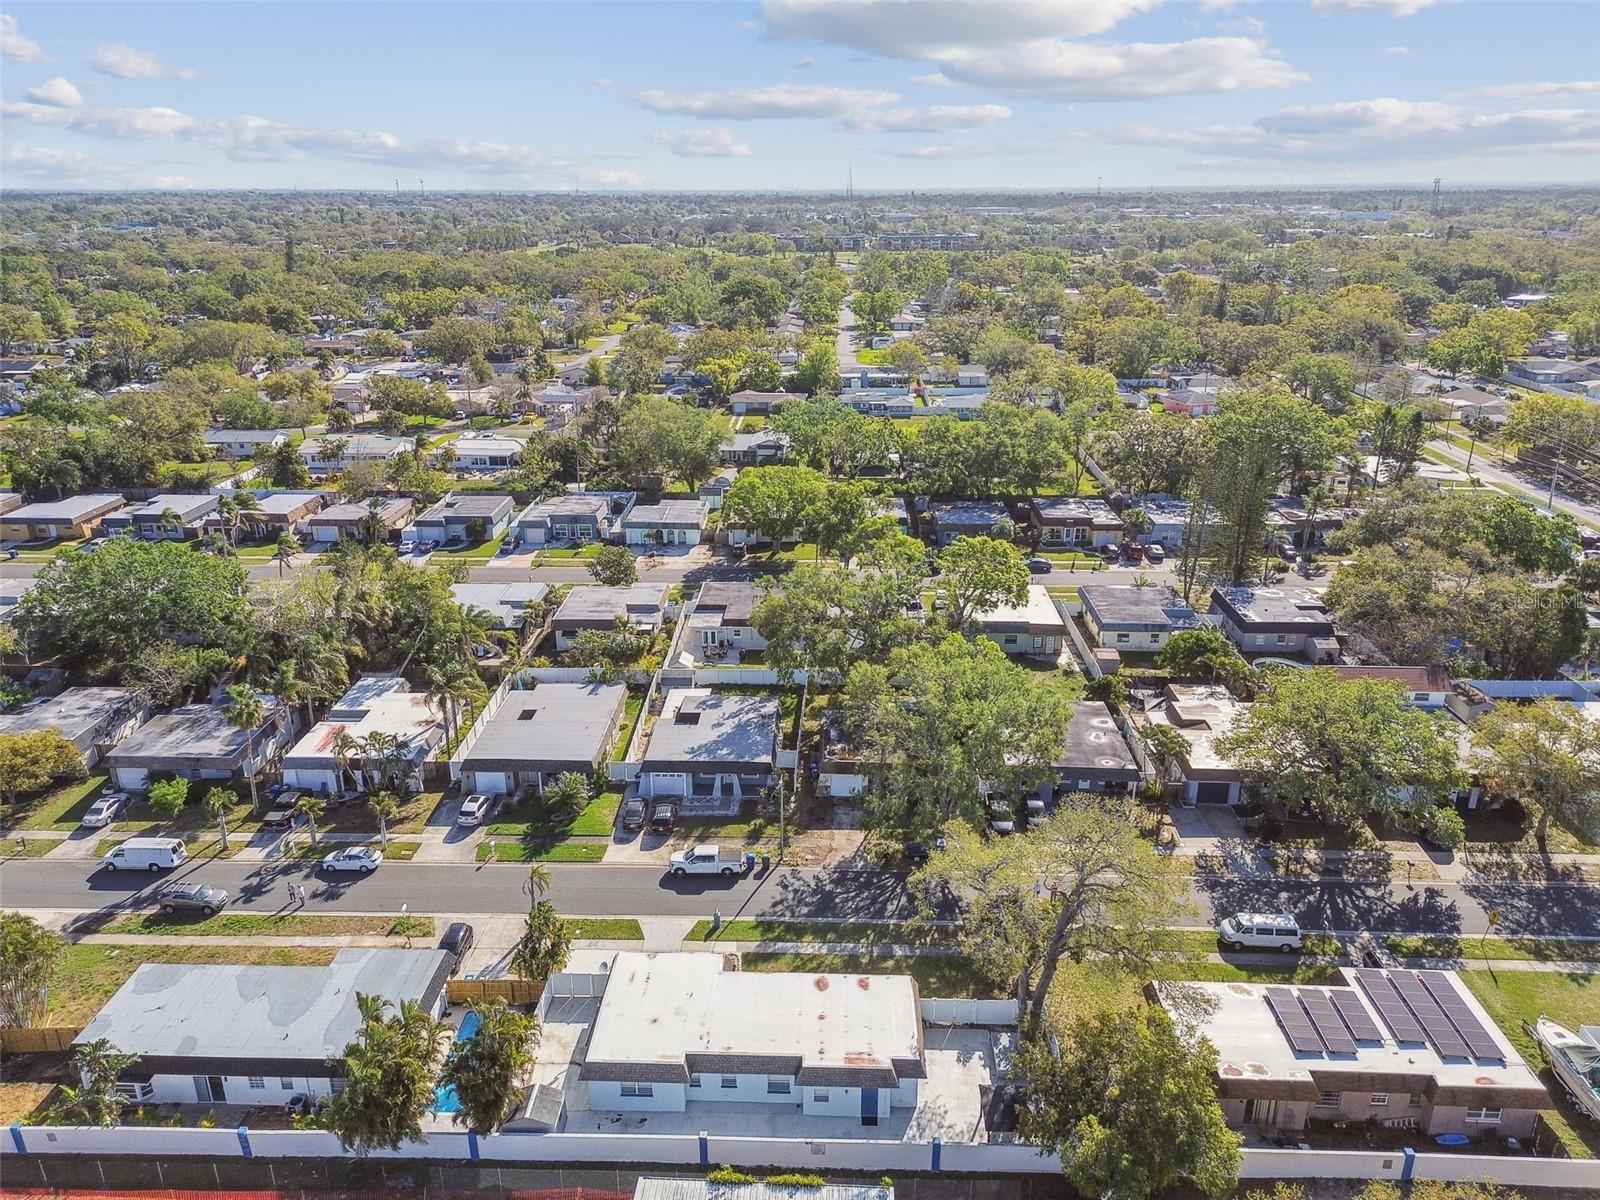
point(574, 517)
point(1074, 521)
point(642, 605)
point(10, 502)
point(275, 513)
point(11, 593)
point(667, 523)
point(719, 623)
point(824, 1045)
point(1035, 627)
point(94, 719)
point(1202, 713)
point(508, 603)
point(60, 520)
point(1286, 621)
point(755, 448)
point(1398, 1048)
point(537, 734)
point(256, 1035)
point(354, 520)
point(1095, 756)
point(711, 749)
point(1122, 616)
point(149, 518)
point(747, 401)
point(374, 704)
point(945, 521)
point(198, 742)
point(1559, 372)
point(487, 452)
point(466, 517)
point(242, 443)
point(338, 452)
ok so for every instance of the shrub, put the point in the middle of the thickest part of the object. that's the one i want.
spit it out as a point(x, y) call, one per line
point(726, 1174)
point(797, 1179)
point(169, 796)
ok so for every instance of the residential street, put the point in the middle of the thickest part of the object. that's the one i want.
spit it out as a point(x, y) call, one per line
point(829, 893)
point(1580, 511)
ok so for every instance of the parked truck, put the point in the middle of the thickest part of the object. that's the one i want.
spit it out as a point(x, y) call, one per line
point(711, 860)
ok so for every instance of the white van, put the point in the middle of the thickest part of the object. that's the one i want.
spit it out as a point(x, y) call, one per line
point(1260, 931)
point(147, 854)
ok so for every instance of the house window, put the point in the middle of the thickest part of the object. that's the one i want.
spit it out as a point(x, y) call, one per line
point(819, 1095)
point(1011, 639)
point(1414, 1100)
point(1483, 1116)
point(694, 1081)
point(257, 1083)
point(1122, 639)
point(1328, 1099)
point(638, 1089)
point(1379, 1099)
point(777, 1085)
point(286, 1083)
point(730, 1081)
point(1283, 639)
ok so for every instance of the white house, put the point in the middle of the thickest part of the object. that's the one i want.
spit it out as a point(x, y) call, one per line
point(666, 523)
point(574, 517)
point(681, 1029)
point(375, 704)
point(719, 623)
point(254, 1035)
point(487, 452)
point(242, 443)
point(337, 452)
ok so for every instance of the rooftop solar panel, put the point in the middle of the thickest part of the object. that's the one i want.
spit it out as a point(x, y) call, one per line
point(1402, 1025)
point(1293, 1021)
point(1441, 1033)
point(1455, 1007)
point(1356, 1018)
point(1327, 1023)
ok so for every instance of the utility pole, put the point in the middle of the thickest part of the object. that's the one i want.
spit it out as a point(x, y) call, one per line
point(1434, 208)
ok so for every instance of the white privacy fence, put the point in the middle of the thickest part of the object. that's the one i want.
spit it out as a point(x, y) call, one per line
point(965, 1011)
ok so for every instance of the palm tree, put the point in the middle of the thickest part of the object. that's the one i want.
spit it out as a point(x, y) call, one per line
point(245, 711)
point(244, 503)
point(385, 806)
point(448, 685)
point(218, 801)
point(373, 528)
point(332, 449)
point(1136, 523)
point(1166, 745)
point(287, 547)
point(311, 806)
point(347, 748)
point(340, 420)
point(170, 519)
point(1317, 498)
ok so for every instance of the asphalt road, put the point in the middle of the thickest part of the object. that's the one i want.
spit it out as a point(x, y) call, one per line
point(830, 893)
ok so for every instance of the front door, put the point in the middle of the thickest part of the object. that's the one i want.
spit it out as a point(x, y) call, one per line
point(869, 1106)
point(208, 1089)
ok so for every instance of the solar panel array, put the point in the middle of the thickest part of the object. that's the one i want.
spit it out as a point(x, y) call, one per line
point(1327, 1023)
point(1362, 1027)
point(1296, 1025)
point(1390, 1007)
point(1425, 1007)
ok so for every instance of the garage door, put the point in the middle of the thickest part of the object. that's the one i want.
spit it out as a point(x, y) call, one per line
point(669, 783)
point(1211, 793)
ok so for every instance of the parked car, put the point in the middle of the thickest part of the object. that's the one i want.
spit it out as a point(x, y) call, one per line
point(1289, 554)
point(1040, 566)
point(363, 859)
point(281, 814)
point(146, 854)
point(664, 817)
point(633, 813)
point(405, 546)
point(1260, 931)
point(457, 940)
point(105, 810)
point(1155, 552)
point(1111, 553)
point(726, 861)
point(1133, 551)
point(191, 897)
point(1001, 819)
point(1034, 807)
point(475, 809)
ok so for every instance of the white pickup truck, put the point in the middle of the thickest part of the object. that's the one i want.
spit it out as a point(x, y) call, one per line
point(710, 860)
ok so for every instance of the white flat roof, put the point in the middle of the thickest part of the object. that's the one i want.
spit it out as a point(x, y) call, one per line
point(1037, 608)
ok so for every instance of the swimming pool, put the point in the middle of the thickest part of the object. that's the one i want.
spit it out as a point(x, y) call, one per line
point(445, 1099)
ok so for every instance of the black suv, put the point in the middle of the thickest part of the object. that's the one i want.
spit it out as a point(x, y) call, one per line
point(457, 940)
point(633, 813)
point(663, 818)
point(191, 897)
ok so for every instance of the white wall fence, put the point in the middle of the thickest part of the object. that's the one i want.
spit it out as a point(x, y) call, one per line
point(965, 1011)
point(524, 680)
point(1081, 644)
point(819, 1154)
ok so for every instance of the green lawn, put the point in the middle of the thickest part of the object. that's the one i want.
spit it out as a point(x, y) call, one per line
point(1512, 997)
point(294, 924)
point(884, 933)
point(587, 550)
point(91, 973)
point(1553, 949)
point(480, 553)
point(533, 819)
point(936, 975)
point(516, 851)
point(600, 817)
point(27, 847)
point(62, 808)
point(633, 705)
point(1048, 677)
point(606, 929)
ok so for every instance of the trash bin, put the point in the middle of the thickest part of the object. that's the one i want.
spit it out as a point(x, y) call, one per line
point(766, 862)
point(749, 861)
point(716, 920)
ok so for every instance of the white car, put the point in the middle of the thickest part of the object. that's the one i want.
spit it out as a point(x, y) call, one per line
point(354, 858)
point(475, 810)
point(105, 810)
point(1260, 931)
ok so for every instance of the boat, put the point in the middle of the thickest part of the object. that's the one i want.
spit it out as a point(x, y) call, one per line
point(1576, 1061)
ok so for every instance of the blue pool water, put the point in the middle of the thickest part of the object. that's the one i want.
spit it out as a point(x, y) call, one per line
point(445, 1099)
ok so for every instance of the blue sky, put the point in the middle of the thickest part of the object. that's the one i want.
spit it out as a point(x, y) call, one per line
point(784, 93)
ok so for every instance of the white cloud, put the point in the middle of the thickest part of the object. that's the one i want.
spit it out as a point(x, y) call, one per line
point(918, 28)
point(967, 148)
point(777, 100)
point(703, 143)
point(1394, 8)
point(1398, 51)
point(16, 48)
point(129, 62)
point(1528, 91)
point(259, 139)
point(75, 169)
point(933, 79)
point(1375, 130)
point(58, 91)
point(603, 81)
point(804, 63)
point(938, 118)
point(1106, 71)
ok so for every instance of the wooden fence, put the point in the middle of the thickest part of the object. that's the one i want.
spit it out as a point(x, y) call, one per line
point(512, 991)
point(44, 1040)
